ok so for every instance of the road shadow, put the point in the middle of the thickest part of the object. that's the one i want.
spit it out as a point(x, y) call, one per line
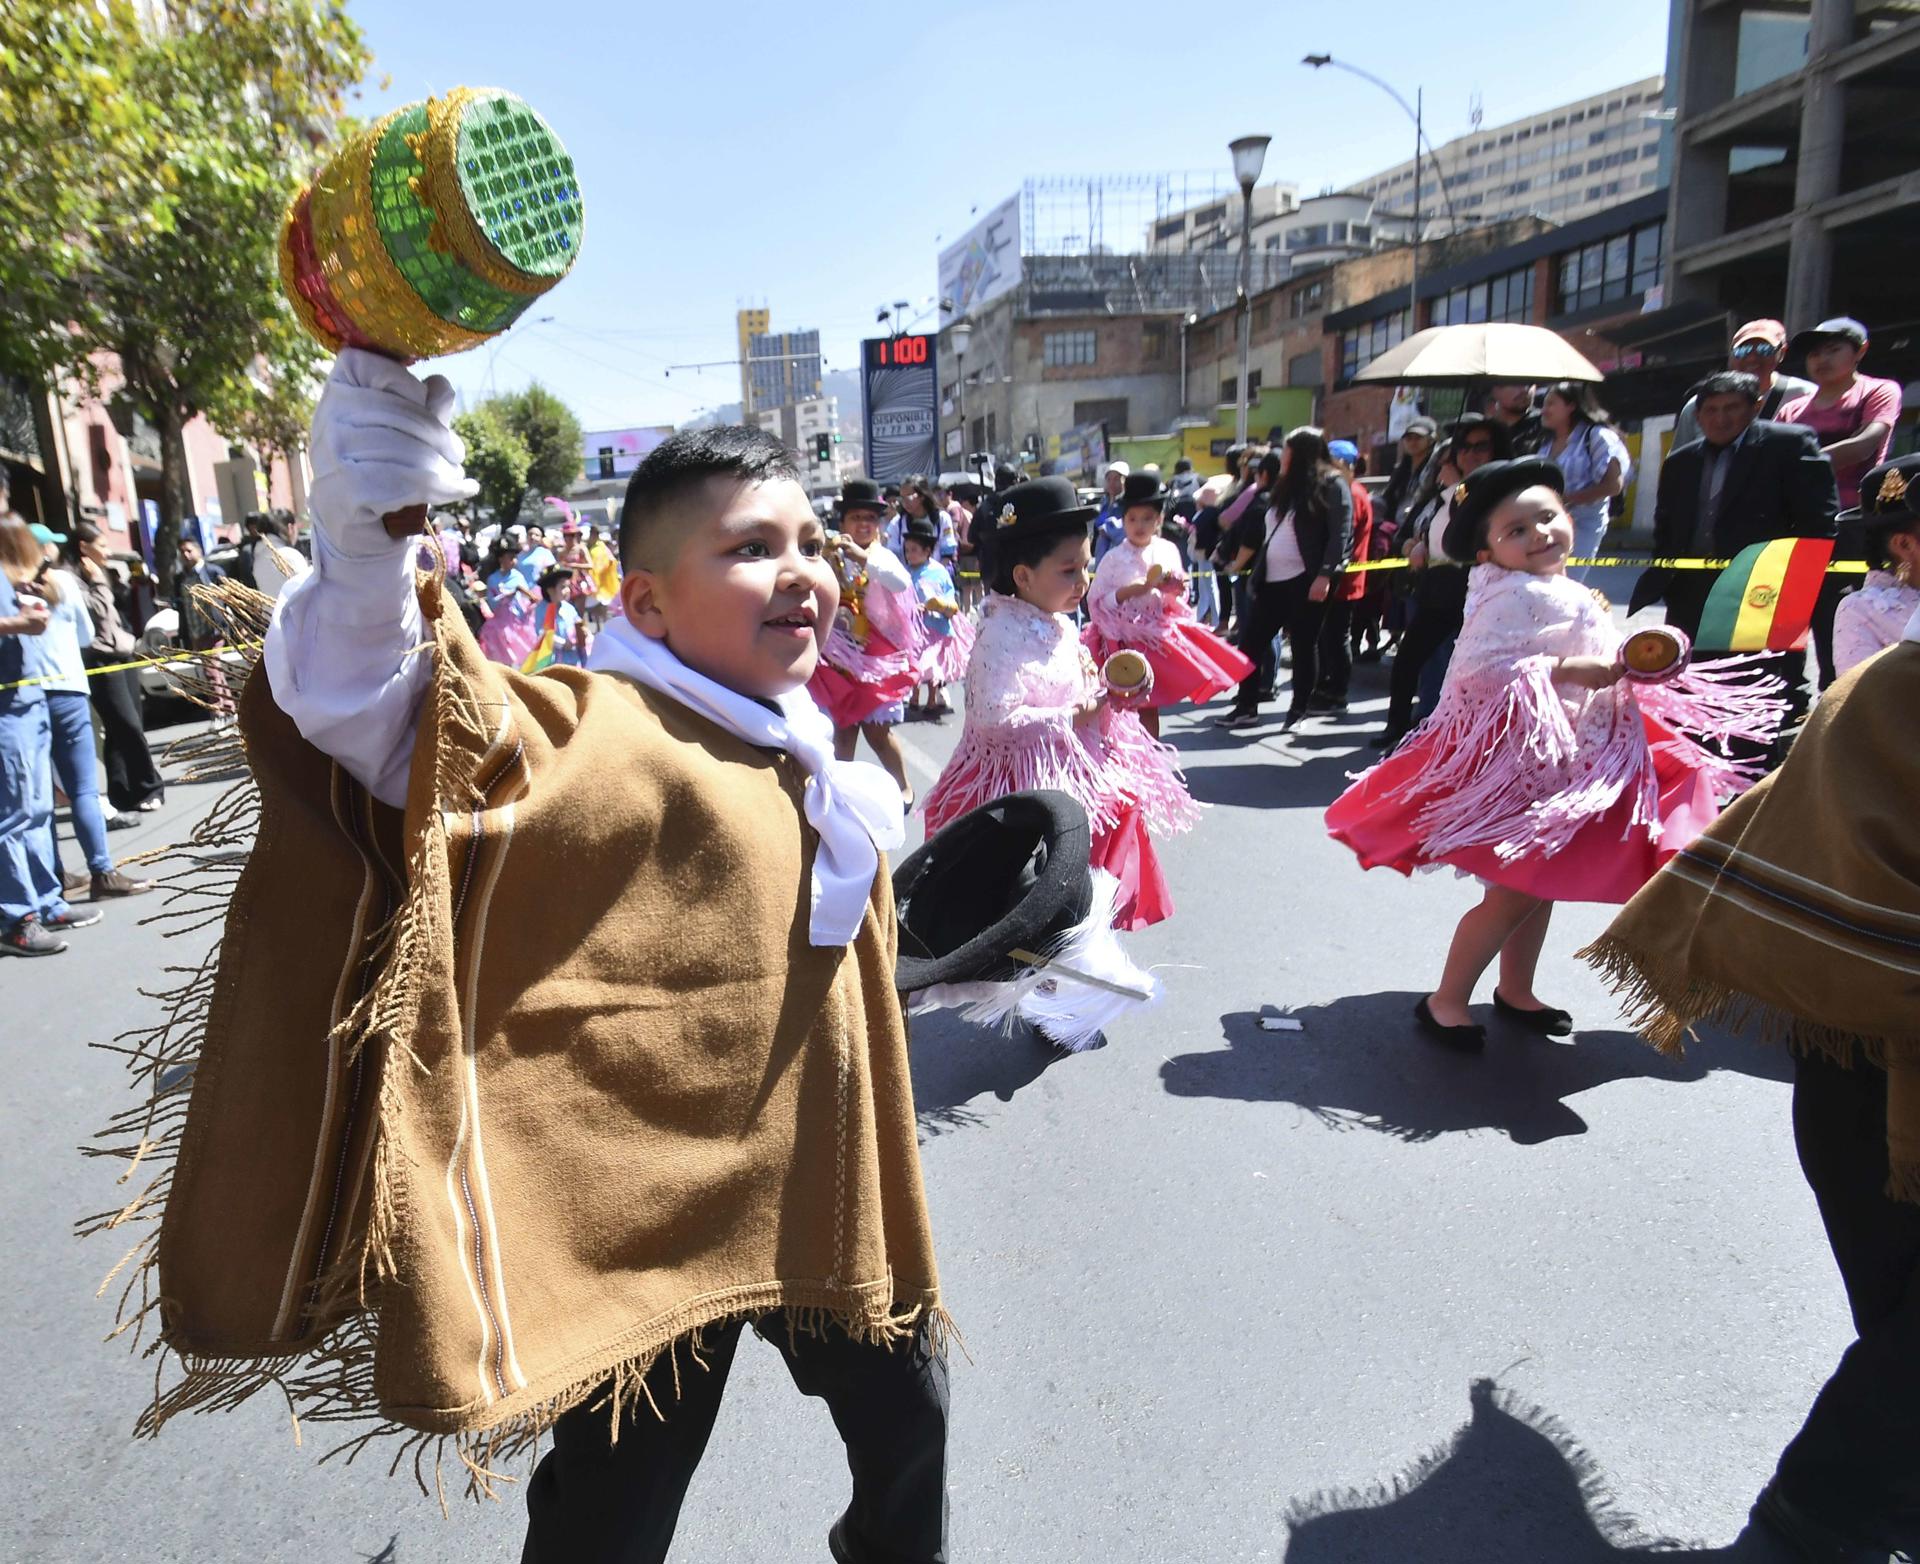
point(1361, 1062)
point(955, 1062)
point(1272, 783)
point(1511, 1486)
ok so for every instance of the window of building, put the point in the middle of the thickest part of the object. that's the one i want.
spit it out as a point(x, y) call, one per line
point(1263, 315)
point(1153, 341)
point(1610, 269)
point(1229, 391)
point(605, 453)
point(1310, 237)
point(1210, 214)
point(1361, 233)
point(1059, 349)
point(1508, 297)
point(1362, 345)
point(1170, 228)
point(1253, 384)
point(1308, 300)
point(1303, 369)
point(1109, 410)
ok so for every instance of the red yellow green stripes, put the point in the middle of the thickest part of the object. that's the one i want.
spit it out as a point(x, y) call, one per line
point(1763, 601)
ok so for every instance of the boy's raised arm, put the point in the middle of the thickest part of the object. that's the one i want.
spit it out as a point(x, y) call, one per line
point(337, 649)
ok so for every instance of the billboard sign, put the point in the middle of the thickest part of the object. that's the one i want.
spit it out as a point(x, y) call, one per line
point(982, 263)
point(900, 385)
point(614, 453)
point(1079, 452)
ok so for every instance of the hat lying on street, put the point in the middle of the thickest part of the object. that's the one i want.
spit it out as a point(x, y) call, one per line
point(1002, 918)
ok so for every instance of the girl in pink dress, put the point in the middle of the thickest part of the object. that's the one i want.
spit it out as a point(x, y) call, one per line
point(1540, 772)
point(870, 662)
point(1139, 600)
point(1037, 715)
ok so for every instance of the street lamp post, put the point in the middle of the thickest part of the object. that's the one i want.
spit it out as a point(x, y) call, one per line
point(1249, 152)
point(962, 335)
point(1413, 111)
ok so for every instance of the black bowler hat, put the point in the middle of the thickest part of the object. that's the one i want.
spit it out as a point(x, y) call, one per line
point(1892, 489)
point(1484, 488)
point(861, 494)
point(921, 529)
point(1010, 875)
point(1038, 505)
point(1141, 488)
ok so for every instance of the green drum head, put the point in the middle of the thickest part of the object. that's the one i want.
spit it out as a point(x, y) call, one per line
point(519, 184)
point(447, 287)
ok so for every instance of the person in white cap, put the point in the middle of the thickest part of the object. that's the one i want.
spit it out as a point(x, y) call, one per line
point(1109, 524)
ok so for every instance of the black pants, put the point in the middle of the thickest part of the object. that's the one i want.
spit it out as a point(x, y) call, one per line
point(1271, 608)
point(1223, 590)
point(1856, 1462)
point(1439, 608)
point(597, 1501)
point(132, 777)
point(1336, 655)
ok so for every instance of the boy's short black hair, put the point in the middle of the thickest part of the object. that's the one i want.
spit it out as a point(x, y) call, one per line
point(555, 577)
point(683, 462)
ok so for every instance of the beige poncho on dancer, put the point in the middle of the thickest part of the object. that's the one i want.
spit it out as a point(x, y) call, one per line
point(508, 1097)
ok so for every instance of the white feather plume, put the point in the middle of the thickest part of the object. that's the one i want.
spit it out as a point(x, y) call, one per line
point(1070, 1012)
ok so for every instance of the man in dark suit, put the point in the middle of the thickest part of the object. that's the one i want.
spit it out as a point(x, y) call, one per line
point(1744, 482)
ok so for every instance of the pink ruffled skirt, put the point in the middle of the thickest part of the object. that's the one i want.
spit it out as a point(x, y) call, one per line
point(1189, 662)
point(1608, 859)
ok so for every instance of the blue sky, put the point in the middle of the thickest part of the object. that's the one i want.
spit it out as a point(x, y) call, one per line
point(808, 156)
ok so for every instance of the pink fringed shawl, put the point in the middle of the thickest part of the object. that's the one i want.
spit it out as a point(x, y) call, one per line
point(1142, 619)
point(1520, 763)
point(1028, 677)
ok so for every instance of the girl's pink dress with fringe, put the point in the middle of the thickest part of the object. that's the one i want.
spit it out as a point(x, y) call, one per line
point(1029, 675)
point(1190, 662)
point(1562, 793)
point(859, 681)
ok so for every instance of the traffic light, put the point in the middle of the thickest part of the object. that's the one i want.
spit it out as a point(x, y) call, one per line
point(823, 447)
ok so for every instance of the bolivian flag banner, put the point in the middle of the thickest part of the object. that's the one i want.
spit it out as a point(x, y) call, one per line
point(1763, 601)
point(542, 653)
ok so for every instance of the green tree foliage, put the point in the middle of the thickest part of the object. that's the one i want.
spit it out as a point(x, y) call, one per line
point(552, 437)
point(497, 459)
point(150, 164)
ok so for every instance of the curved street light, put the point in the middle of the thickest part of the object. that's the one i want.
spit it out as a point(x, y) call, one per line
point(1413, 112)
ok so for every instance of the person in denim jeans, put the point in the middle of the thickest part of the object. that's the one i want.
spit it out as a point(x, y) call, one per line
point(57, 659)
point(33, 912)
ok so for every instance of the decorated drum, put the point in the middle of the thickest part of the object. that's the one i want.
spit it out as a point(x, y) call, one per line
point(433, 229)
point(1127, 675)
point(1655, 654)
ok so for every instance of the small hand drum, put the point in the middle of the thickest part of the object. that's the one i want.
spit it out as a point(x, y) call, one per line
point(432, 230)
point(1655, 654)
point(1127, 676)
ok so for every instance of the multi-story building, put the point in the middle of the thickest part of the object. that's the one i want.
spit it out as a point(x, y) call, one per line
point(802, 427)
point(1564, 163)
point(1297, 235)
point(1215, 224)
point(748, 324)
point(1796, 163)
point(782, 368)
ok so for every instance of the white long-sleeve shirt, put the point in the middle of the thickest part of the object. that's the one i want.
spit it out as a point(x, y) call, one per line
point(336, 656)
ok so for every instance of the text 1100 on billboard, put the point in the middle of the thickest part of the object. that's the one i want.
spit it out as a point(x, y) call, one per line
point(901, 350)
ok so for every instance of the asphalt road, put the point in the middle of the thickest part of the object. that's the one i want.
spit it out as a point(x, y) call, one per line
point(1227, 1294)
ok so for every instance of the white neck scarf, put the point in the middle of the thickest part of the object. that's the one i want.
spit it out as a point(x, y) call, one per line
point(852, 804)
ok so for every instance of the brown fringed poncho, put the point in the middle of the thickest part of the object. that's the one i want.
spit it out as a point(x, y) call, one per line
point(1799, 908)
point(504, 1099)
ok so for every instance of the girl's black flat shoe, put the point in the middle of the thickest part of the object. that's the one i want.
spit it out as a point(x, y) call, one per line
point(1547, 1021)
point(1466, 1039)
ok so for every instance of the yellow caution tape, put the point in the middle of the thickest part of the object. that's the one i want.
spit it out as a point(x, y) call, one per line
point(138, 662)
point(1854, 567)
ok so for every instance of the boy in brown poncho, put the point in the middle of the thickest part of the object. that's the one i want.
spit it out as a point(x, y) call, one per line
point(1798, 913)
point(554, 1035)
